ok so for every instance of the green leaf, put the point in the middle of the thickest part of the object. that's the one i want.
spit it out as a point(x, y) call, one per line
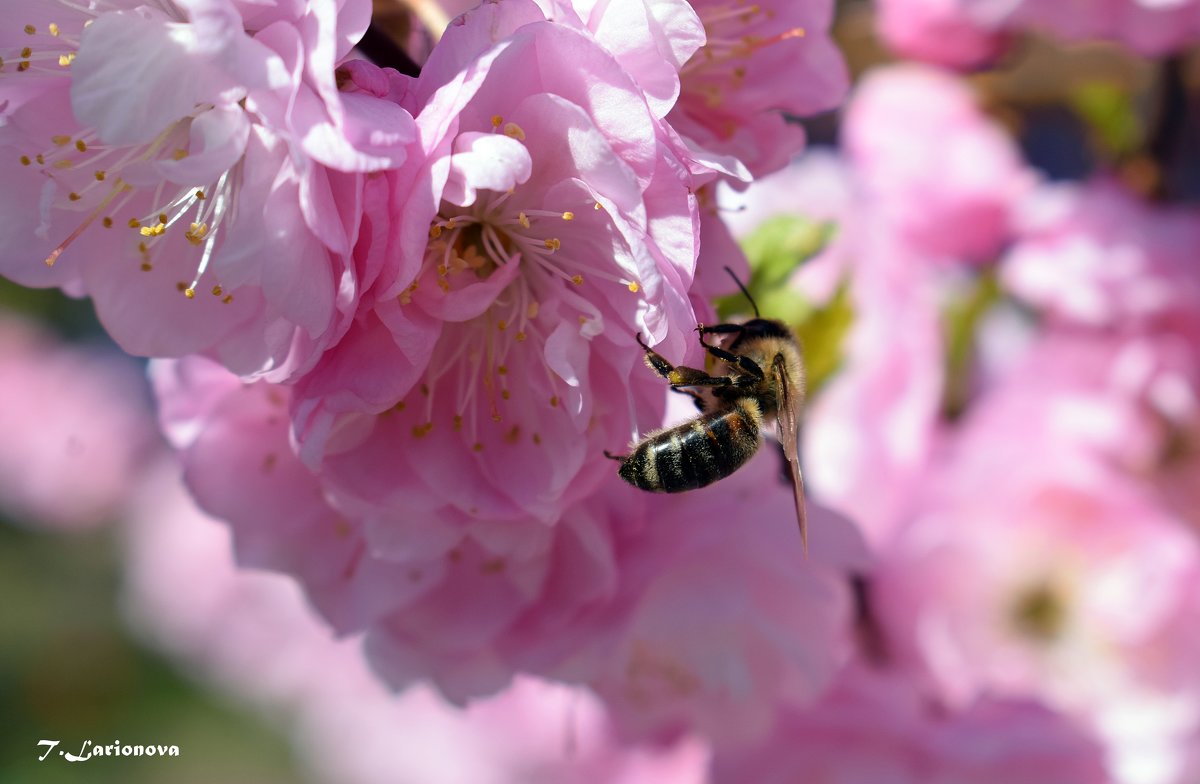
point(960, 323)
point(822, 333)
point(775, 250)
point(1108, 111)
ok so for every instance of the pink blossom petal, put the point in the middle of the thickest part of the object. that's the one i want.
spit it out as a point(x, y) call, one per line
point(485, 161)
point(135, 75)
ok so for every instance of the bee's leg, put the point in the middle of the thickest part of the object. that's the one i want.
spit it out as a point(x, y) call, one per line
point(736, 361)
point(654, 360)
point(681, 376)
point(720, 329)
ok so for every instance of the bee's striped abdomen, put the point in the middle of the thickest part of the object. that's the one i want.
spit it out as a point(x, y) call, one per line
point(694, 454)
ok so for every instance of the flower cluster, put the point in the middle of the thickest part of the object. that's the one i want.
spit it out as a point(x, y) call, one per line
point(399, 317)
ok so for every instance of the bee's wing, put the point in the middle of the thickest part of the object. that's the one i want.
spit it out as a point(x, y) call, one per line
point(787, 421)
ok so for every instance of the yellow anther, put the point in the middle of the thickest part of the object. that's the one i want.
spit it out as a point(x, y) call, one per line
point(420, 431)
point(457, 422)
point(181, 287)
point(63, 164)
point(217, 291)
point(40, 159)
point(552, 243)
point(444, 286)
point(502, 325)
point(100, 174)
point(577, 280)
point(134, 223)
point(26, 160)
point(227, 299)
point(523, 219)
point(22, 66)
point(497, 121)
point(65, 60)
point(513, 131)
point(450, 224)
point(435, 231)
point(537, 439)
point(60, 140)
point(521, 337)
point(189, 292)
point(162, 218)
point(505, 394)
point(200, 196)
point(107, 222)
point(568, 216)
point(554, 401)
point(54, 29)
point(442, 269)
point(477, 447)
point(143, 249)
point(147, 266)
point(634, 287)
point(597, 206)
point(30, 30)
point(497, 418)
point(531, 310)
point(26, 53)
point(152, 231)
point(73, 196)
point(179, 154)
point(81, 145)
point(502, 370)
point(582, 319)
point(196, 233)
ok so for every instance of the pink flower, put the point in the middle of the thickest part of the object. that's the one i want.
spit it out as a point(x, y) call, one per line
point(1049, 572)
point(252, 636)
point(719, 619)
point(651, 39)
point(1096, 256)
point(872, 433)
point(1149, 27)
point(613, 602)
point(874, 727)
point(1100, 263)
point(543, 230)
point(77, 429)
point(942, 32)
point(599, 598)
point(239, 464)
point(760, 65)
point(945, 176)
point(161, 176)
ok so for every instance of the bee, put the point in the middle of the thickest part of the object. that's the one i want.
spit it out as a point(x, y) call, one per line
point(765, 380)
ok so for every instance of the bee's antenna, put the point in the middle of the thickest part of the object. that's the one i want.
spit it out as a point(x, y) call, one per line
point(744, 291)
